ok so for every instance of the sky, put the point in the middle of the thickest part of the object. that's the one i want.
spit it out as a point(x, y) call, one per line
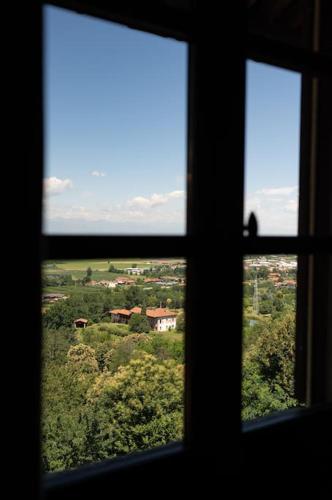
point(116, 136)
point(272, 144)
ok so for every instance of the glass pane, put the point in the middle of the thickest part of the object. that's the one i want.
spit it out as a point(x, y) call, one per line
point(269, 304)
point(113, 358)
point(272, 148)
point(115, 128)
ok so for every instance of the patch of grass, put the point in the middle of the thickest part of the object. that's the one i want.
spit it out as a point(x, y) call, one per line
point(101, 332)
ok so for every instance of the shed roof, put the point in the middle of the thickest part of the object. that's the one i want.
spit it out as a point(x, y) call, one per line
point(80, 320)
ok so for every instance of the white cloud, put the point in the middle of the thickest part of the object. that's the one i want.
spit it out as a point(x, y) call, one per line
point(176, 194)
point(112, 215)
point(151, 212)
point(292, 206)
point(54, 185)
point(154, 200)
point(280, 191)
point(276, 210)
point(97, 173)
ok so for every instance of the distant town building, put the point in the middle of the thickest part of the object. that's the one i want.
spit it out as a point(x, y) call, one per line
point(153, 280)
point(102, 283)
point(124, 281)
point(275, 277)
point(135, 270)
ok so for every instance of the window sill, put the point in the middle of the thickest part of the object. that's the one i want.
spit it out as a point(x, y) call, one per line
point(299, 439)
point(284, 418)
point(53, 484)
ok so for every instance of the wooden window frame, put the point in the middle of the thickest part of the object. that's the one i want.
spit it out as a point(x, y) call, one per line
point(213, 232)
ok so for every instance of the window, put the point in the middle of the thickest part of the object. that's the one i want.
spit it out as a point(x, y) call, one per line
point(269, 291)
point(113, 361)
point(272, 148)
point(115, 128)
point(115, 163)
point(216, 160)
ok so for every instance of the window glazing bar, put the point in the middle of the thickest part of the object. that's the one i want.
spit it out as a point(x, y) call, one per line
point(284, 55)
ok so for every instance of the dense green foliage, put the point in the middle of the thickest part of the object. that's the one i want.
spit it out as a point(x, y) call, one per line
point(108, 389)
point(268, 369)
point(139, 323)
point(111, 389)
point(111, 395)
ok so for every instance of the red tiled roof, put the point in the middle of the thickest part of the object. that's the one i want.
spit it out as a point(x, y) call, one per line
point(124, 312)
point(136, 310)
point(159, 313)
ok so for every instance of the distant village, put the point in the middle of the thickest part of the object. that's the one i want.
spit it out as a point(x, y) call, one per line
point(166, 281)
point(277, 269)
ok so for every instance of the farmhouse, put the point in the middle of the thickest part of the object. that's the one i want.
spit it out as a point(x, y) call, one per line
point(161, 319)
point(80, 323)
point(136, 310)
point(120, 315)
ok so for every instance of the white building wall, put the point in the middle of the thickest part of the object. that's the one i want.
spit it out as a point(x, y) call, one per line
point(165, 323)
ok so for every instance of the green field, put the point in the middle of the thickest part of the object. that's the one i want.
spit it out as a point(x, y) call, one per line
point(77, 268)
point(103, 265)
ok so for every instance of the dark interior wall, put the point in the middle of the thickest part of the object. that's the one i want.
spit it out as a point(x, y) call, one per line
point(20, 231)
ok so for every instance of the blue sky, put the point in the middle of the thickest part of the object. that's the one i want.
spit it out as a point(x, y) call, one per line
point(272, 147)
point(115, 132)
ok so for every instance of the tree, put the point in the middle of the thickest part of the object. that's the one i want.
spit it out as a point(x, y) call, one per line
point(164, 347)
point(268, 369)
point(56, 343)
point(124, 350)
point(134, 297)
point(82, 358)
point(139, 324)
point(180, 322)
point(87, 278)
point(139, 407)
point(65, 430)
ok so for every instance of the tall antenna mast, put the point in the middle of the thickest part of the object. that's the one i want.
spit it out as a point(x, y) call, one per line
point(255, 302)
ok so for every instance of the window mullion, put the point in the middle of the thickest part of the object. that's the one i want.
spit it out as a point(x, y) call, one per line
point(92, 247)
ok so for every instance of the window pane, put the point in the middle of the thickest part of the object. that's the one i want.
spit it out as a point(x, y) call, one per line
point(113, 358)
point(115, 128)
point(268, 334)
point(272, 148)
